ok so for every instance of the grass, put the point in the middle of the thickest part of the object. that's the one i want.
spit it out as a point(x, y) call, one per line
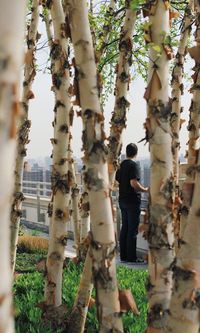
point(32, 244)
point(29, 291)
point(26, 263)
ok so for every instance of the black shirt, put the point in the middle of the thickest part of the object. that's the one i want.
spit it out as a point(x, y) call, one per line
point(128, 170)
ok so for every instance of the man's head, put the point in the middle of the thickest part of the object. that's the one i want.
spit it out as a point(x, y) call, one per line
point(131, 150)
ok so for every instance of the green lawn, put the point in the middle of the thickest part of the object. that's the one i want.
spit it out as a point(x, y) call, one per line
point(28, 292)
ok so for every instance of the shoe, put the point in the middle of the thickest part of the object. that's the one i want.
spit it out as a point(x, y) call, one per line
point(138, 261)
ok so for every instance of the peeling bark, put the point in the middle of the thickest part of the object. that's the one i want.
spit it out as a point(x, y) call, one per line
point(107, 28)
point(193, 126)
point(177, 85)
point(76, 218)
point(11, 41)
point(74, 203)
point(24, 128)
point(184, 307)
point(118, 120)
point(176, 121)
point(85, 222)
point(103, 245)
point(60, 173)
point(79, 312)
point(160, 233)
point(185, 302)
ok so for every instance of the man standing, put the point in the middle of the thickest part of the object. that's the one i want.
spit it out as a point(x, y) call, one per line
point(128, 176)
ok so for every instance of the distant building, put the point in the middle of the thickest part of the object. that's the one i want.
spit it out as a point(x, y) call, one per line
point(48, 162)
point(146, 176)
point(33, 179)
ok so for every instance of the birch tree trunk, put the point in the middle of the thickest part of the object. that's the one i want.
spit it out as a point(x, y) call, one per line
point(76, 218)
point(184, 308)
point(60, 172)
point(193, 127)
point(11, 41)
point(118, 120)
point(177, 85)
point(80, 308)
point(160, 234)
point(74, 202)
point(177, 91)
point(79, 312)
point(107, 28)
point(24, 128)
point(103, 245)
point(85, 222)
point(49, 31)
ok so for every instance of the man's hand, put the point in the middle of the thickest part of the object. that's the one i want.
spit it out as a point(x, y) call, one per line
point(137, 186)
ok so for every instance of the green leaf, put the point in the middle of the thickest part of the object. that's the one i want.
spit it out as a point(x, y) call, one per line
point(156, 48)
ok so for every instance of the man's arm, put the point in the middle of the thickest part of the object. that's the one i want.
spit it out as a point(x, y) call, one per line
point(137, 186)
point(117, 176)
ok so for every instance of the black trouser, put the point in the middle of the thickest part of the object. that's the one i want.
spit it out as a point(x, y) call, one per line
point(128, 236)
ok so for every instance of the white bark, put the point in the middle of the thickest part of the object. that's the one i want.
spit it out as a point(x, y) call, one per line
point(24, 128)
point(177, 91)
point(11, 41)
point(85, 214)
point(75, 198)
point(80, 308)
point(76, 218)
point(118, 120)
point(96, 175)
point(60, 174)
point(85, 222)
point(177, 85)
point(193, 127)
point(160, 234)
point(184, 308)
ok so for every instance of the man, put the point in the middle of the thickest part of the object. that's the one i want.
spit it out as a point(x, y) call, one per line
point(128, 176)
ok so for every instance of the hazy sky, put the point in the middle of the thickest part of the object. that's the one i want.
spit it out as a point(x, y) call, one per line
point(41, 114)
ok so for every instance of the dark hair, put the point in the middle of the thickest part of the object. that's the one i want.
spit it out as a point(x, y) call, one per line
point(131, 150)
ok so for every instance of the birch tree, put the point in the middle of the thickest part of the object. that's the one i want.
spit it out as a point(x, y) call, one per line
point(11, 41)
point(124, 59)
point(60, 173)
point(118, 120)
point(79, 312)
point(184, 307)
point(75, 198)
point(106, 29)
point(176, 121)
point(177, 85)
point(24, 127)
point(96, 174)
point(158, 133)
point(193, 128)
point(85, 221)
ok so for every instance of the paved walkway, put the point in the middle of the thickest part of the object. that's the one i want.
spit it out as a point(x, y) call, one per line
point(71, 253)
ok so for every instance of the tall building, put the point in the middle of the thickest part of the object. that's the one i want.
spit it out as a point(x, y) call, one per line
point(35, 181)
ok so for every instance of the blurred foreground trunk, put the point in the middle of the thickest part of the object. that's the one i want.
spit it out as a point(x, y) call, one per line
point(12, 18)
